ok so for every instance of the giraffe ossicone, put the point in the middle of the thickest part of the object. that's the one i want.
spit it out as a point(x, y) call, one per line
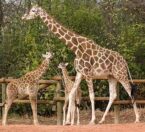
point(91, 61)
point(26, 85)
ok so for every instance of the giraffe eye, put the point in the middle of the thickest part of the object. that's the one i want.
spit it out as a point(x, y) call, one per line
point(33, 10)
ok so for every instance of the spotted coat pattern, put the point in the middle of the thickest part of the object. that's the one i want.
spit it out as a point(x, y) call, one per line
point(26, 86)
point(68, 85)
point(91, 61)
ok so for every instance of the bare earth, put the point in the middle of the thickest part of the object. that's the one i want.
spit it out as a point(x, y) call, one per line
point(48, 124)
point(140, 127)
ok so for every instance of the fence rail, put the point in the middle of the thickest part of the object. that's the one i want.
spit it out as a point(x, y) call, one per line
point(58, 99)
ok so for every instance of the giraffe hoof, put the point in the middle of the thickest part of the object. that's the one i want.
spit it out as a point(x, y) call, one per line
point(101, 122)
point(137, 121)
point(92, 123)
point(67, 123)
point(36, 123)
point(63, 124)
point(78, 124)
point(4, 124)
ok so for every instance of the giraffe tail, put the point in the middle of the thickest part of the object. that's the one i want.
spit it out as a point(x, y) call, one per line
point(129, 74)
point(134, 87)
point(77, 104)
point(3, 103)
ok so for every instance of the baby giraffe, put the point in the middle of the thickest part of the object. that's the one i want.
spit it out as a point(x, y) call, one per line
point(26, 85)
point(68, 86)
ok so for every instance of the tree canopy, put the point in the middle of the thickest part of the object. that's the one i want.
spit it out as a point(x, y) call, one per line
point(115, 24)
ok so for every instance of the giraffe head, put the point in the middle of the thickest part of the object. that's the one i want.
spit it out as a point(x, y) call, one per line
point(62, 65)
point(33, 13)
point(47, 56)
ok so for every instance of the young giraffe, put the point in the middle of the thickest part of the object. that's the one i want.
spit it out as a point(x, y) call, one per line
point(91, 61)
point(68, 86)
point(26, 85)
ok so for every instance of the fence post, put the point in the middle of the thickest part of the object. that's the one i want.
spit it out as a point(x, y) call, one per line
point(59, 105)
point(117, 108)
point(3, 97)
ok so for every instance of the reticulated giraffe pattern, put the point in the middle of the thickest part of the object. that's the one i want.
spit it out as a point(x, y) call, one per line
point(68, 85)
point(91, 61)
point(24, 86)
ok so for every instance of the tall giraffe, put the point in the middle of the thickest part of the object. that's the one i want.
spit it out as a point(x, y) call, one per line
point(68, 86)
point(26, 85)
point(91, 61)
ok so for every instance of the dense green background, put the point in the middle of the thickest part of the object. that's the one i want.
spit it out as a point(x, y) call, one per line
point(114, 24)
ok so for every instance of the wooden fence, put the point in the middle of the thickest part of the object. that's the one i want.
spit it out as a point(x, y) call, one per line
point(58, 99)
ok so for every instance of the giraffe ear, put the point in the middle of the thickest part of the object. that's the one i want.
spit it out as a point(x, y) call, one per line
point(58, 66)
point(36, 5)
point(43, 55)
point(47, 53)
point(66, 64)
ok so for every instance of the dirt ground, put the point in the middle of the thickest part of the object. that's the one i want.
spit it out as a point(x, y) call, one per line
point(82, 128)
point(24, 124)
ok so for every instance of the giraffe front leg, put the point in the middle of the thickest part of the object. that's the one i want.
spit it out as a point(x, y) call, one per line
point(78, 102)
point(71, 95)
point(113, 95)
point(64, 110)
point(33, 100)
point(92, 96)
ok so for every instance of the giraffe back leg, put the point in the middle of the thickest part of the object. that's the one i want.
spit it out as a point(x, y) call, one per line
point(73, 113)
point(112, 91)
point(7, 107)
point(78, 110)
point(11, 95)
point(33, 100)
point(127, 87)
point(92, 96)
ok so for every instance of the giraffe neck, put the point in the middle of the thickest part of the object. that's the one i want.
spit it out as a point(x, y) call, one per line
point(65, 76)
point(41, 69)
point(68, 37)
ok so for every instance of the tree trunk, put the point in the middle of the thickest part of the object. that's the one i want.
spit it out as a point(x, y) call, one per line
point(1, 20)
